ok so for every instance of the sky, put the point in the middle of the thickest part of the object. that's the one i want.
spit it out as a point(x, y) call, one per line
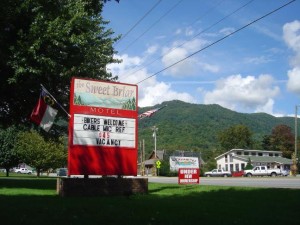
point(238, 54)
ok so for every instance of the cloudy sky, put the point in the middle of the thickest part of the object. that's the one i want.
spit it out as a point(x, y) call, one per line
point(243, 55)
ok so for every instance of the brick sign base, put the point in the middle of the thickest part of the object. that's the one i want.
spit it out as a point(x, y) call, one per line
point(101, 186)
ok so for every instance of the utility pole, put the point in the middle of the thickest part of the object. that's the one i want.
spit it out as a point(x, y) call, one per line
point(296, 130)
point(155, 129)
point(143, 157)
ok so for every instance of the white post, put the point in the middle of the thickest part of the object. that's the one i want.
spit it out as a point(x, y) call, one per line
point(154, 128)
point(296, 129)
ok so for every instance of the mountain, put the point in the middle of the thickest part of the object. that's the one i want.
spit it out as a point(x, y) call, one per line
point(186, 126)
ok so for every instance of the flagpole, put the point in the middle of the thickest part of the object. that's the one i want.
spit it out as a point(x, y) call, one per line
point(55, 101)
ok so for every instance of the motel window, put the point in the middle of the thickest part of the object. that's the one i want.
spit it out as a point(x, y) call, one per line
point(243, 166)
point(253, 153)
point(238, 153)
point(270, 154)
point(237, 167)
point(276, 154)
point(260, 154)
point(246, 153)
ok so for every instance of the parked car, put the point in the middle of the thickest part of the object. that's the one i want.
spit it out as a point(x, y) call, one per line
point(62, 172)
point(262, 171)
point(285, 172)
point(23, 171)
point(218, 173)
point(238, 173)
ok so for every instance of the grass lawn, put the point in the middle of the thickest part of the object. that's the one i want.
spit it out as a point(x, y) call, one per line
point(29, 200)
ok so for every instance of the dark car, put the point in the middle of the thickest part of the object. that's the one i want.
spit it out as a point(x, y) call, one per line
point(62, 172)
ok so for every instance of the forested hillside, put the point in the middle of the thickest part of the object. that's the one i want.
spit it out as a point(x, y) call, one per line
point(185, 126)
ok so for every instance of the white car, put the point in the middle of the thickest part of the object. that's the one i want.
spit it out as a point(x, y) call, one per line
point(23, 171)
point(285, 173)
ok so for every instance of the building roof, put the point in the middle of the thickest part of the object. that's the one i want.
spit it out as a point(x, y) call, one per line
point(266, 159)
point(247, 150)
point(159, 154)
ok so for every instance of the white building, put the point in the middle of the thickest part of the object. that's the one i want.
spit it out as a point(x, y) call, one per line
point(236, 159)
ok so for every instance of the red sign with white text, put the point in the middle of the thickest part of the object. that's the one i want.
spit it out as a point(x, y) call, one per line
point(188, 175)
point(102, 128)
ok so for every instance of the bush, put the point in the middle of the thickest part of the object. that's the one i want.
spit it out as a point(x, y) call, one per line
point(165, 169)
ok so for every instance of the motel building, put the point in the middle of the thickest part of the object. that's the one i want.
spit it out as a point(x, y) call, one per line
point(237, 159)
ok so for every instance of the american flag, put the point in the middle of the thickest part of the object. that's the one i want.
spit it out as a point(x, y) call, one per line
point(150, 112)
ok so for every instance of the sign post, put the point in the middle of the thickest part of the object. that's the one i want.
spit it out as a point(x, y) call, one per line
point(158, 163)
point(103, 128)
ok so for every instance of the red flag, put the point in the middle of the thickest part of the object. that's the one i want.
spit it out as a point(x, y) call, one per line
point(43, 114)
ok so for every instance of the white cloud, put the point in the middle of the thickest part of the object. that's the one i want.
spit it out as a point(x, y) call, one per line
point(293, 83)
point(160, 92)
point(227, 30)
point(181, 69)
point(209, 67)
point(151, 91)
point(189, 31)
point(152, 49)
point(257, 60)
point(244, 93)
point(266, 30)
point(178, 31)
point(291, 35)
point(189, 66)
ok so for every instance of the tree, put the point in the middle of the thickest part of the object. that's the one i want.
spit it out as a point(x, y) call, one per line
point(8, 155)
point(48, 42)
point(266, 142)
point(282, 139)
point(249, 165)
point(238, 136)
point(35, 151)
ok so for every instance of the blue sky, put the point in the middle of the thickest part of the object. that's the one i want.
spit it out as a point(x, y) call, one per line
point(256, 69)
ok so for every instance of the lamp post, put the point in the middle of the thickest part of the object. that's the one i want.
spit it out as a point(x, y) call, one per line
point(296, 128)
point(155, 129)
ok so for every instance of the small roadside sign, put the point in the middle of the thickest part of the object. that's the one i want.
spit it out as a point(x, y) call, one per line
point(188, 175)
point(158, 163)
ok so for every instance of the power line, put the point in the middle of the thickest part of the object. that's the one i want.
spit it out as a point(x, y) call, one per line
point(174, 6)
point(145, 65)
point(140, 20)
point(206, 29)
point(219, 40)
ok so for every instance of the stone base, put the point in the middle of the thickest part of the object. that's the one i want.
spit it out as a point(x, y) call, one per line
point(101, 186)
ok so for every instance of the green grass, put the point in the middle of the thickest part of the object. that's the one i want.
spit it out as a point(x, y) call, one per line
point(25, 200)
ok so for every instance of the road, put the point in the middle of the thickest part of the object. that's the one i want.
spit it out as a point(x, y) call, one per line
point(266, 182)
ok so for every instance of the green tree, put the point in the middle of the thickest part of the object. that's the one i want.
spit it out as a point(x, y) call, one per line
point(165, 169)
point(8, 155)
point(48, 42)
point(282, 139)
point(266, 142)
point(35, 151)
point(238, 136)
point(249, 165)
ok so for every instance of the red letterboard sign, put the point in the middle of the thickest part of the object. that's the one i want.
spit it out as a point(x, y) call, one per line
point(102, 128)
point(188, 176)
